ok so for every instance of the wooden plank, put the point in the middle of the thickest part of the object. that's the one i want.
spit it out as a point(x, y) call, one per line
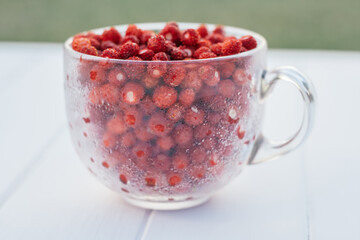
point(61, 200)
point(18, 59)
point(332, 152)
point(32, 111)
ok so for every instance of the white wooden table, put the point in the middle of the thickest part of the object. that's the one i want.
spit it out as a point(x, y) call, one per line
point(312, 193)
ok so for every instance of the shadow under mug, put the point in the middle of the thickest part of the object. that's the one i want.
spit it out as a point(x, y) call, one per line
point(175, 157)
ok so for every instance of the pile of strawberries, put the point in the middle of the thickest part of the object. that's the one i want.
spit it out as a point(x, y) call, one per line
point(169, 44)
point(173, 120)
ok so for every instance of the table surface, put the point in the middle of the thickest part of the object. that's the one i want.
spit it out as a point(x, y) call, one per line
point(311, 193)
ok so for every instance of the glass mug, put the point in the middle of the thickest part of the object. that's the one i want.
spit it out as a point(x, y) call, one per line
point(175, 157)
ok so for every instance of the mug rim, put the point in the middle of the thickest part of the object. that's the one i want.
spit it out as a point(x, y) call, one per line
point(261, 43)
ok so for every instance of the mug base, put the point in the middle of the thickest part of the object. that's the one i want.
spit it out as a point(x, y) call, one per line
point(168, 205)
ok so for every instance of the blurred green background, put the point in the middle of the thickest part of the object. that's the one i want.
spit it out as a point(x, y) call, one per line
point(313, 24)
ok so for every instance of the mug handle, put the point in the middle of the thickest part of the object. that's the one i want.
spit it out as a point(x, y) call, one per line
point(265, 149)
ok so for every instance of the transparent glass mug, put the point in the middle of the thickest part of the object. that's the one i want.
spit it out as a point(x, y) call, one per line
point(175, 157)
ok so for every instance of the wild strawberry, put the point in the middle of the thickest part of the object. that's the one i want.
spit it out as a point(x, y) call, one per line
point(226, 69)
point(180, 161)
point(216, 48)
point(202, 30)
point(175, 113)
point(146, 54)
point(192, 80)
point(159, 125)
point(111, 35)
point(190, 37)
point(157, 43)
point(165, 143)
point(182, 135)
point(160, 56)
point(110, 53)
point(212, 81)
point(206, 71)
point(156, 70)
point(240, 77)
point(204, 43)
point(215, 38)
point(174, 76)
point(128, 49)
point(219, 29)
point(131, 38)
point(146, 35)
point(133, 30)
point(177, 54)
point(189, 51)
point(171, 33)
point(132, 93)
point(194, 116)
point(248, 42)
point(108, 44)
point(230, 47)
point(226, 88)
point(134, 70)
point(105, 94)
point(116, 77)
point(201, 50)
point(95, 43)
point(209, 75)
point(187, 97)
point(83, 45)
point(95, 36)
point(164, 96)
point(97, 74)
point(116, 125)
point(149, 82)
